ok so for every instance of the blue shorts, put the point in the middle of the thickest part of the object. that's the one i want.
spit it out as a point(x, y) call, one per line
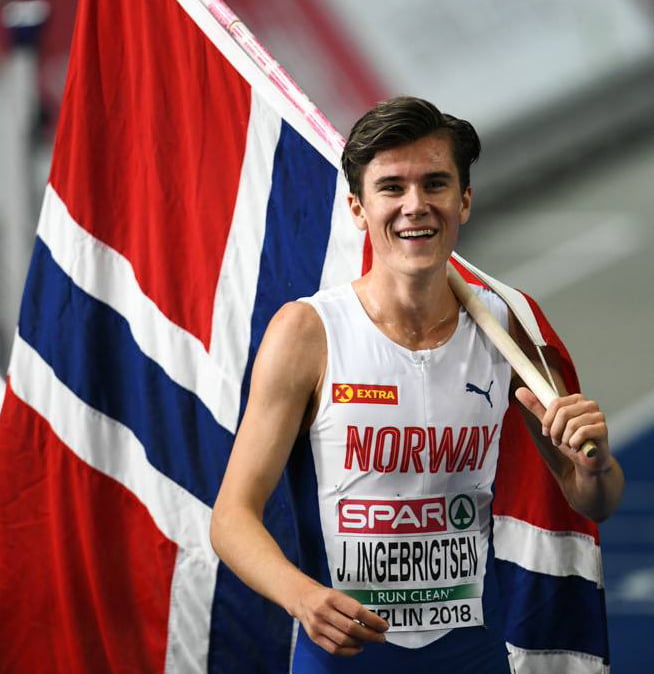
point(468, 650)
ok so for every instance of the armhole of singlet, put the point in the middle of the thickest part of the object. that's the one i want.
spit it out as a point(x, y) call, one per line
point(324, 392)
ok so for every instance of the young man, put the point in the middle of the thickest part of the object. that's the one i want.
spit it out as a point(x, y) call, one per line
point(374, 384)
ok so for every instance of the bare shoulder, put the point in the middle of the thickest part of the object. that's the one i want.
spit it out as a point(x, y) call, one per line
point(293, 351)
point(295, 331)
point(297, 319)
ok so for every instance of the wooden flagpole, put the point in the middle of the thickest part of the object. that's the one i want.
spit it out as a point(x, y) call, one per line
point(275, 73)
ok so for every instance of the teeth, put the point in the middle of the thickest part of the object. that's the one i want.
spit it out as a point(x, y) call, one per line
point(416, 233)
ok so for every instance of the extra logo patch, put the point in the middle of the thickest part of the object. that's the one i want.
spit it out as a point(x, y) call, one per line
point(375, 394)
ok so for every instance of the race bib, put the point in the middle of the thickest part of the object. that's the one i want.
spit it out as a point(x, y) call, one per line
point(416, 562)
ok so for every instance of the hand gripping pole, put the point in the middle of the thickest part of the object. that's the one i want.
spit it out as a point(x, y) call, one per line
point(506, 345)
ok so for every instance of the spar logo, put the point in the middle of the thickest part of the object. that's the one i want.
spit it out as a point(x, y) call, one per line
point(412, 516)
point(376, 394)
point(462, 511)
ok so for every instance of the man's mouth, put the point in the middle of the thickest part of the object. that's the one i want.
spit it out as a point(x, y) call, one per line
point(417, 233)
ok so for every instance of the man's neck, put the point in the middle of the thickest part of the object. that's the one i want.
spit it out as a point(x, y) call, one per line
point(416, 312)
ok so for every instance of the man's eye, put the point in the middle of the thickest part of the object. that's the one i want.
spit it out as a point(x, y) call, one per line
point(435, 184)
point(391, 188)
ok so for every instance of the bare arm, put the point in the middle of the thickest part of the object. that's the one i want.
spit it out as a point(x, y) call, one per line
point(592, 486)
point(285, 383)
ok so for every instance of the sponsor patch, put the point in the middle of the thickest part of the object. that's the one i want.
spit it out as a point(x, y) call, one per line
point(375, 394)
point(392, 516)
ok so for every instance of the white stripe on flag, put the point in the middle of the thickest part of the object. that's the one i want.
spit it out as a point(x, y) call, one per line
point(551, 552)
point(105, 274)
point(237, 284)
point(547, 662)
point(345, 247)
point(112, 449)
point(189, 622)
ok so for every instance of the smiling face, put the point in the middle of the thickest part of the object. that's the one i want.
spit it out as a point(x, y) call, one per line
point(412, 206)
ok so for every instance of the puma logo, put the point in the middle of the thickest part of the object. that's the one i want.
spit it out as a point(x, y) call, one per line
point(471, 388)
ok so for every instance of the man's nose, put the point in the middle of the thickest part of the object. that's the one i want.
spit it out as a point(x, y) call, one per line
point(415, 204)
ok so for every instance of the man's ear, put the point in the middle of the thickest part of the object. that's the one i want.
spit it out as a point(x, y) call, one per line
point(466, 205)
point(357, 211)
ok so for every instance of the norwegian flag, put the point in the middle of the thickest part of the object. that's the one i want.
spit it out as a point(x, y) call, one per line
point(189, 198)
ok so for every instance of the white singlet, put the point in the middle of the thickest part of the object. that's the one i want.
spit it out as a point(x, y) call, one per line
point(404, 447)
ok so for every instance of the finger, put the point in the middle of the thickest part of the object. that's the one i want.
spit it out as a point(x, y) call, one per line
point(563, 413)
point(356, 629)
point(598, 433)
point(530, 402)
point(339, 635)
point(371, 620)
point(581, 428)
point(334, 648)
point(353, 610)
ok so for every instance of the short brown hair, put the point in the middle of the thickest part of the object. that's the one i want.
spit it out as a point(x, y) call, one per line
point(402, 120)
